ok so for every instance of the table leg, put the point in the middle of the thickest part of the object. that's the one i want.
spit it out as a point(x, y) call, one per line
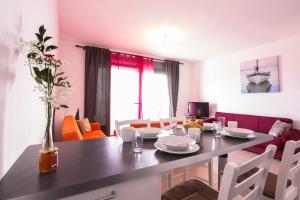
point(210, 172)
point(168, 174)
point(185, 173)
point(222, 160)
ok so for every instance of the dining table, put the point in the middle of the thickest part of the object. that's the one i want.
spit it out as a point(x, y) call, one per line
point(108, 168)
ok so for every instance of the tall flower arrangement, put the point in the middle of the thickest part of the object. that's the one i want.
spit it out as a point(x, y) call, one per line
point(50, 80)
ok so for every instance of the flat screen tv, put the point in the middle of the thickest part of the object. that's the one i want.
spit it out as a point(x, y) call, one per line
point(198, 109)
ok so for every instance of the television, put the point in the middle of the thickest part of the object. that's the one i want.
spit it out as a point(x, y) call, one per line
point(199, 110)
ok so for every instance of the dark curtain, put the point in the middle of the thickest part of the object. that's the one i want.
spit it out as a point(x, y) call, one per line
point(159, 67)
point(172, 71)
point(97, 86)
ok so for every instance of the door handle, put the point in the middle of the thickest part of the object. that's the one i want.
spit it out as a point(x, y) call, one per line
point(112, 195)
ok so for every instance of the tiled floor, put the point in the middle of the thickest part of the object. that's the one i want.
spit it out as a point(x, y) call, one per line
point(202, 172)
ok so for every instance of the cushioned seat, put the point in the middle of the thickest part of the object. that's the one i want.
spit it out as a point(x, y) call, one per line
point(155, 124)
point(93, 134)
point(270, 186)
point(70, 130)
point(191, 190)
point(261, 124)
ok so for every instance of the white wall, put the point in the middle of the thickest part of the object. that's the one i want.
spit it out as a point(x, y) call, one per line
point(218, 82)
point(21, 112)
point(185, 88)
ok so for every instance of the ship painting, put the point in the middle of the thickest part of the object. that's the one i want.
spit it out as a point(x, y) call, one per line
point(260, 76)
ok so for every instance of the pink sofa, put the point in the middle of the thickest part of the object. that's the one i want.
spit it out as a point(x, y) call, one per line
point(261, 124)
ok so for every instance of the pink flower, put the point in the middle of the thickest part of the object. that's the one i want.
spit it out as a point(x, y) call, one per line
point(49, 57)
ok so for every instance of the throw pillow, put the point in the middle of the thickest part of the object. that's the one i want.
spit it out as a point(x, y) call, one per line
point(84, 125)
point(279, 127)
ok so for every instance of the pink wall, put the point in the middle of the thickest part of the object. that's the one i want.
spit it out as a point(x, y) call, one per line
point(21, 112)
point(218, 82)
point(74, 68)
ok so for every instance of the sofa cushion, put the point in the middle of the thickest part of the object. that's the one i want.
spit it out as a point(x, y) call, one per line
point(70, 129)
point(93, 135)
point(292, 134)
point(265, 123)
point(279, 127)
point(247, 121)
point(277, 142)
point(84, 125)
point(228, 116)
point(259, 150)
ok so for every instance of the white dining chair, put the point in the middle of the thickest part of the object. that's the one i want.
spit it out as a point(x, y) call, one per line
point(194, 189)
point(288, 178)
point(120, 124)
point(170, 120)
point(289, 170)
point(185, 174)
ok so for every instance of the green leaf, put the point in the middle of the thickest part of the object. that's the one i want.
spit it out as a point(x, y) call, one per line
point(42, 30)
point(31, 55)
point(64, 106)
point(38, 80)
point(46, 75)
point(51, 47)
point(41, 48)
point(47, 38)
point(39, 37)
point(37, 72)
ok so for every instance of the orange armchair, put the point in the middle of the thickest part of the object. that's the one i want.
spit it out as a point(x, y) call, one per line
point(70, 130)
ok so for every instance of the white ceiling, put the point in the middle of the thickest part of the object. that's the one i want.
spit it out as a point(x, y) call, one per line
point(195, 29)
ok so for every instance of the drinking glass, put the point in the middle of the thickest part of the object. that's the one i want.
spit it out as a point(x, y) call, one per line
point(217, 125)
point(137, 141)
point(194, 133)
point(221, 125)
point(221, 120)
point(174, 128)
point(232, 124)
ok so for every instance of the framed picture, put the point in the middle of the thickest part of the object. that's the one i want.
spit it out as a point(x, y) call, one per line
point(260, 76)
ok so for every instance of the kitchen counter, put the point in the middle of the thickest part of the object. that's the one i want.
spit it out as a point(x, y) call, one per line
point(92, 164)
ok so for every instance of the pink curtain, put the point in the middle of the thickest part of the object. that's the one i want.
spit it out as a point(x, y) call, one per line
point(144, 66)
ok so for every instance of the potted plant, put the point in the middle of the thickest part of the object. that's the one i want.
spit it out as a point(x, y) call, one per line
point(50, 80)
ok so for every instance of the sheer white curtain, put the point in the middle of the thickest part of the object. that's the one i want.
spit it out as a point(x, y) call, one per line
point(155, 96)
point(124, 94)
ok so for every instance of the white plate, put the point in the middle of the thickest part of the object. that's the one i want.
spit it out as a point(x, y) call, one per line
point(175, 139)
point(191, 149)
point(249, 136)
point(240, 132)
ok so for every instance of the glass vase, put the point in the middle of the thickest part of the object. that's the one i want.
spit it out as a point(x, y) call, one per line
point(48, 154)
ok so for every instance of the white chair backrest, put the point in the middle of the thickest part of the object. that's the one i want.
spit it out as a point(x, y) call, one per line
point(229, 186)
point(120, 124)
point(289, 169)
point(171, 120)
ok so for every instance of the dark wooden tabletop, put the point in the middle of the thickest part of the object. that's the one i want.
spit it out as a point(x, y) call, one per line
point(93, 164)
